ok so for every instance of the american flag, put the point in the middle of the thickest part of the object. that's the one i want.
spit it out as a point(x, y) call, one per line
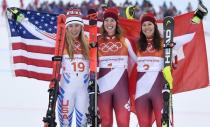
point(31, 55)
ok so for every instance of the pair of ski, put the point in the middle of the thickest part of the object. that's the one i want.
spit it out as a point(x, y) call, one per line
point(92, 117)
point(168, 32)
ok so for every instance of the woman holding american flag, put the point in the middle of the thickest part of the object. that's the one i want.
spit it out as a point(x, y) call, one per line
point(73, 94)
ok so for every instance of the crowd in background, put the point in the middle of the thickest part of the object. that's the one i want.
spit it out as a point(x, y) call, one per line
point(61, 7)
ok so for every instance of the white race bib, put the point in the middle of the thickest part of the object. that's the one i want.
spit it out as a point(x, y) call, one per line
point(149, 63)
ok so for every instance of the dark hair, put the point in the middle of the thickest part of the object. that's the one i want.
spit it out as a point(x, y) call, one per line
point(142, 42)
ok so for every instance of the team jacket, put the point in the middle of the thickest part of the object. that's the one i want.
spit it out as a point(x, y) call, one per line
point(113, 52)
point(149, 60)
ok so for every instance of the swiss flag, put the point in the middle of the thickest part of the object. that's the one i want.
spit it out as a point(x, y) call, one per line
point(190, 68)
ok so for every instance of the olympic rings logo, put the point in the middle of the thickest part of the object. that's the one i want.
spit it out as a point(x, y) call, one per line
point(150, 48)
point(77, 46)
point(110, 46)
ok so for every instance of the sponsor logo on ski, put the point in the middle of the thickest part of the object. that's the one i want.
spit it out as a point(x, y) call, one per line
point(168, 50)
point(168, 22)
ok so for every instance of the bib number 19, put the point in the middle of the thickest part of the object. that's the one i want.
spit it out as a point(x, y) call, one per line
point(78, 66)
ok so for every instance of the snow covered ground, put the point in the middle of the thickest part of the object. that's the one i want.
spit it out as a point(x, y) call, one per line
point(23, 102)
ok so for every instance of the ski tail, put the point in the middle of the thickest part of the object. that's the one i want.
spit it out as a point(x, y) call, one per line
point(49, 119)
point(167, 115)
point(93, 119)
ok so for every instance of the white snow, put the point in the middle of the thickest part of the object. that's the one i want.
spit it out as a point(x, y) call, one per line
point(23, 101)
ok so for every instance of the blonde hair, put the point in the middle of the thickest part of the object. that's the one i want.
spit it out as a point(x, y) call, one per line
point(70, 43)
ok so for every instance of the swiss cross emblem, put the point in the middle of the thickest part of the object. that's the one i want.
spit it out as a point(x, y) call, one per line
point(178, 50)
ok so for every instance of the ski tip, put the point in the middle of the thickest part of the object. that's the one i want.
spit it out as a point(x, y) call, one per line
point(168, 20)
point(92, 16)
point(91, 11)
point(61, 18)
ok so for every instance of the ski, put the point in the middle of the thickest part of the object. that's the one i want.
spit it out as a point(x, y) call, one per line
point(93, 119)
point(50, 117)
point(167, 114)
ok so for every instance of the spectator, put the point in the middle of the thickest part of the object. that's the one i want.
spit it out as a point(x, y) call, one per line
point(45, 7)
point(4, 6)
point(171, 11)
point(84, 8)
point(36, 3)
point(127, 3)
point(141, 8)
point(148, 7)
point(101, 1)
point(30, 7)
point(160, 14)
point(189, 7)
point(111, 3)
point(21, 4)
